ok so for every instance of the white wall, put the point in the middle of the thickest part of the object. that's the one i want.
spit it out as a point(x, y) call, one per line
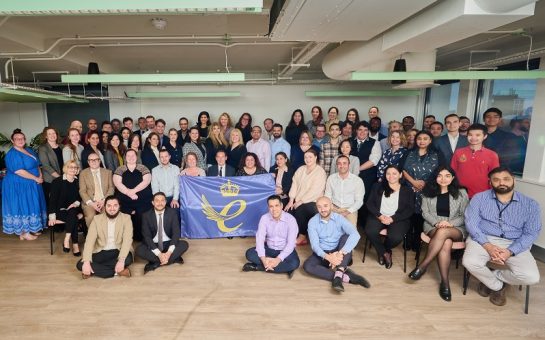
point(261, 101)
point(30, 117)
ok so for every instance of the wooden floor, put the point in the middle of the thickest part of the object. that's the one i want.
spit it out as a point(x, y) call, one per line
point(44, 297)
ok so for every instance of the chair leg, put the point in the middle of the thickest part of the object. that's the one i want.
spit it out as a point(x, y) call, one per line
point(527, 300)
point(405, 253)
point(51, 238)
point(466, 281)
point(365, 245)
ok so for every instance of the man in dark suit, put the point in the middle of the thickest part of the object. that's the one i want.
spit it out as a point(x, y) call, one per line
point(222, 169)
point(452, 141)
point(142, 128)
point(161, 232)
point(183, 133)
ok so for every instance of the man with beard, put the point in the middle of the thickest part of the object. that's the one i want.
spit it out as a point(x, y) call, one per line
point(108, 243)
point(268, 125)
point(375, 124)
point(408, 123)
point(465, 123)
point(502, 225)
point(278, 143)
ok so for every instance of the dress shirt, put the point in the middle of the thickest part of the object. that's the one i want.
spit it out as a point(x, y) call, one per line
point(165, 179)
point(221, 170)
point(278, 235)
point(520, 220)
point(110, 242)
point(262, 149)
point(155, 240)
point(278, 145)
point(390, 204)
point(325, 235)
point(345, 193)
point(453, 141)
point(376, 151)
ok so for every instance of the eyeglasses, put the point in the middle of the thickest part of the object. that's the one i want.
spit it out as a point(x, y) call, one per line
point(94, 159)
point(73, 167)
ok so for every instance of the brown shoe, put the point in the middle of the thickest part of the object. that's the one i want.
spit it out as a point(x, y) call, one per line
point(498, 297)
point(125, 272)
point(483, 290)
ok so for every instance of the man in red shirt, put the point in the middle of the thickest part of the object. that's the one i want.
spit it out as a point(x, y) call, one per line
point(473, 162)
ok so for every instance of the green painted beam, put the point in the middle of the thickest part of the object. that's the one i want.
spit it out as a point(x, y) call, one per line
point(182, 94)
point(378, 93)
point(22, 96)
point(151, 78)
point(447, 75)
point(71, 7)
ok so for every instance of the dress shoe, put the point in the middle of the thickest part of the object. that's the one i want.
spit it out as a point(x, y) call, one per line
point(76, 253)
point(444, 292)
point(65, 250)
point(388, 260)
point(417, 273)
point(249, 267)
point(125, 272)
point(290, 274)
point(180, 260)
point(483, 290)
point(337, 284)
point(357, 279)
point(498, 297)
point(381, 260)
point(151, 266)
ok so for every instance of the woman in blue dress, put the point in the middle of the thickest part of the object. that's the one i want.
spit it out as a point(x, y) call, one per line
point(23, 201)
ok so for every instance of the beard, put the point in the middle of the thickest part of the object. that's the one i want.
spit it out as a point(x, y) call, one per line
point(503, 189)
point(374, 129)
point(111, 217)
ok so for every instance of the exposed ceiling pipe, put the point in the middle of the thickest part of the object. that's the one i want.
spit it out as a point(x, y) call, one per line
point(6, 65)
point(121, 38)
point(302, 58)
point(505, 60)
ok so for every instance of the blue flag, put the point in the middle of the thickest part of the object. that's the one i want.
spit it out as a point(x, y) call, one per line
point(212, 207)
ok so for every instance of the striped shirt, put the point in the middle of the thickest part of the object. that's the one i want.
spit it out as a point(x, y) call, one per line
point(520, 220)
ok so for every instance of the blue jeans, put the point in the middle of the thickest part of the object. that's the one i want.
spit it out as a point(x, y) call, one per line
point(289, 264)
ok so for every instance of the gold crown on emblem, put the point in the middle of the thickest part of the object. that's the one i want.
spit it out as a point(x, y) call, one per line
point(229, 189)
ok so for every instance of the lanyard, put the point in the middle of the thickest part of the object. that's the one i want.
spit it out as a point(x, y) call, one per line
point(501, 210)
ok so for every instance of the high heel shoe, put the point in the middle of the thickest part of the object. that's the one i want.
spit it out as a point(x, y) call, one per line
point(444, 292)
point(387, 260)
point(417, 273)
point(76, 253)
point(66, 249)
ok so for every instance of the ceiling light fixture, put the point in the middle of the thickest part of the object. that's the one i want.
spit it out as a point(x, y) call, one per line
point(151, 78)
point(377, 93)
point(182, 94)
point(447, 75)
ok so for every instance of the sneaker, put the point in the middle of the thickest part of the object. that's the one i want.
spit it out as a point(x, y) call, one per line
point(356, 279)
point(483, 290)
point(498, 297)
point(337, 284)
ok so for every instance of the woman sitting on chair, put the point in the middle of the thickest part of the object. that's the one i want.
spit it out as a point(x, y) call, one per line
point(443, 207)
point(390, 206)
point(65, 205)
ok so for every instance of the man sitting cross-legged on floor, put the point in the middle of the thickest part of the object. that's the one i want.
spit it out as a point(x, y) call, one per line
point(332, 238)
point(275, 241)
point(161, 233)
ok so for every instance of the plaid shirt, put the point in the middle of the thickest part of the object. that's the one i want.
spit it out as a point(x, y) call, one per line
point(328, 152)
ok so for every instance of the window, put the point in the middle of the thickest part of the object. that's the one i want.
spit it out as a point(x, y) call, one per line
point(442, 100)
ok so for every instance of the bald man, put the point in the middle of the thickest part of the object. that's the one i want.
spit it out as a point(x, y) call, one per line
point(332, 238)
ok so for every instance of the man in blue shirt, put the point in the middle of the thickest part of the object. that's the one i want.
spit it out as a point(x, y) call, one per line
point(278, 143)
point(502, 224)
point(332, 238)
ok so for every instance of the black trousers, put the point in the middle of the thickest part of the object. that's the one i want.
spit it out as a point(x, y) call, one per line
point(71, 222)
point(317, 266)
point(103, 263)
point(144, 252)
point(396, 231)
point(303, 214)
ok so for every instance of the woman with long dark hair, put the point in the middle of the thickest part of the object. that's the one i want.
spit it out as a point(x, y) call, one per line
point(250, 166)
point(443, 207)
point(93, 146)
point(295, 127)
point(203, 122)
point(194, 145)
point(174, 148)
point(353, 116)
point(317, 118)
point(244, 124)
point(150, 153)
point(283, 174)
point(115, 152)
point(390, 207)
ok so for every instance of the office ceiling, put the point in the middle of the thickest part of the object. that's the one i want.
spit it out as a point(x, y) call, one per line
point(292, 48)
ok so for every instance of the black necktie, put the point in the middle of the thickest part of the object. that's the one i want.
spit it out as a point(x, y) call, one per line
point(221, 171)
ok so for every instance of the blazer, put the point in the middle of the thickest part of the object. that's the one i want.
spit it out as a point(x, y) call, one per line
point(97, 236)
point(149, 159)
point(49, 161)
point(87, 184)
point(287, 178)
point(111, 160)
point(63, 194)
point(171, 225)
point(213, 170)
point(405, 206)
point(457, 209)
point(442, 144)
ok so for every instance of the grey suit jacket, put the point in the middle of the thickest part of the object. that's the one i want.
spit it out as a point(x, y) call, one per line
point(457, 209)
point(49, 161)
point(442, 144)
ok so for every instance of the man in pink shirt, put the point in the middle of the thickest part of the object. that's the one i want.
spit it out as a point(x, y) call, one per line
point(473, 162)
point(275, 242)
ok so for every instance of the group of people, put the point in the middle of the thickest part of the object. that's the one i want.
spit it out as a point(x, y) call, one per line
point(331, 176)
